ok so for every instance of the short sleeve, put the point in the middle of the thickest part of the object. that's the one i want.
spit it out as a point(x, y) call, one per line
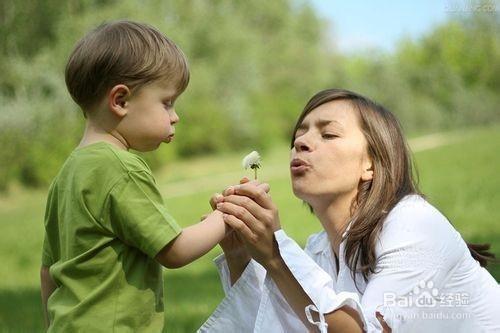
point(50, 225)
point(47, 259)
point(138, 216)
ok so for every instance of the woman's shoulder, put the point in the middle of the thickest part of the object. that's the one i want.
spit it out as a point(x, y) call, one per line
point(415, 221)
point(415, 213)
point(317, 243)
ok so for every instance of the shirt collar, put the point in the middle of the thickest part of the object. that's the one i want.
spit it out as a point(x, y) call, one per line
point(321, 242)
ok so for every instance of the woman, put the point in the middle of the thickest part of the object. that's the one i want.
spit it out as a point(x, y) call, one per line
point(386, 260)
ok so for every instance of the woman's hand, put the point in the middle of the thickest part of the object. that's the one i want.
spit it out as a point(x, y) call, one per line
point(249, 210)
point(232, 245)
point(237, 256)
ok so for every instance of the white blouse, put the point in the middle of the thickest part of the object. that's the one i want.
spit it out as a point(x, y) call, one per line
point(425, 281)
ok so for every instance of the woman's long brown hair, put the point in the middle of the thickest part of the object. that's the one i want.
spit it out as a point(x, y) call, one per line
point(393, 179)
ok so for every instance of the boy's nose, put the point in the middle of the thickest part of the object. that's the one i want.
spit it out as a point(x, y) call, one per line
point(174, 119)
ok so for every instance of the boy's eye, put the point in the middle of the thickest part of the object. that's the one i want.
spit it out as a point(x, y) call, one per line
point(168, 104)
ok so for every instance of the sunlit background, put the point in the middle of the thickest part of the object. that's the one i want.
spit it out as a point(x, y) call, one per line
point(254, 65)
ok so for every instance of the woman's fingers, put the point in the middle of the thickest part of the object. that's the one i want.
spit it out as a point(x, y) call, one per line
point(251, 206)
point(243, 215)
point(380, 317)
point(240, 227)
point(245, 182)
point(230, 189)
point(258, 193)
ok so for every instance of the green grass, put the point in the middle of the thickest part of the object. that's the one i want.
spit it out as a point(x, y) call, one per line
point(460, 178)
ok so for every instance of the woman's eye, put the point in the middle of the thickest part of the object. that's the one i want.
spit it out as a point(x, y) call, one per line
point(328, 136)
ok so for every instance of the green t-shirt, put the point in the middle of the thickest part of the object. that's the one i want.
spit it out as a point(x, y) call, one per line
point(105, 221)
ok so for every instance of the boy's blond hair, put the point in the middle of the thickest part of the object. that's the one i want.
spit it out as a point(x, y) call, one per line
point(122, 52)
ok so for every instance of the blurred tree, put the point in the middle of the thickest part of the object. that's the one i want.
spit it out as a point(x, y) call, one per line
point(254, 64)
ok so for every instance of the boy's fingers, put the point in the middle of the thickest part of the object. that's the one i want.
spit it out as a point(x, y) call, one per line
point(240, 227)
point(215, 199)
point(244, 180)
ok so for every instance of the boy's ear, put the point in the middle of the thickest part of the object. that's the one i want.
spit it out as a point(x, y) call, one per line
point(118, 98)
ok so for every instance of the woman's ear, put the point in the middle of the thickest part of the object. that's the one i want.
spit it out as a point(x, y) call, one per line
point(118, 100)
point(367, 173)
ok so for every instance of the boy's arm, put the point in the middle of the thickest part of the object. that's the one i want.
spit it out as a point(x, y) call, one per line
point(193, 242)
point(48, 286)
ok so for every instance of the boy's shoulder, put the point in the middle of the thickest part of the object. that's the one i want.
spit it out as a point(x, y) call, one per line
point(107, 156)
point(100, 163)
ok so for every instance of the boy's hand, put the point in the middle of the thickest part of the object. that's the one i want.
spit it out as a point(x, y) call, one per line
point(214, 200)
point(217, 197)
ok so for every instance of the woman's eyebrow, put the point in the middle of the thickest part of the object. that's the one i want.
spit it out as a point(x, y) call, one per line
point(320, 124)
point(325, 122)
point(303, 126)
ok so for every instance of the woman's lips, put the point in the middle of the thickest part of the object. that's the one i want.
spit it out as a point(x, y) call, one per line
point(298, 166)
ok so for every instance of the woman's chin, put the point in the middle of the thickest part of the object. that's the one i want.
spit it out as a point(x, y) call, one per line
point(301, 190)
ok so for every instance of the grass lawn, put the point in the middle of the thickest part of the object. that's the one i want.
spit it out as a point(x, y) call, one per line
point(459, 177)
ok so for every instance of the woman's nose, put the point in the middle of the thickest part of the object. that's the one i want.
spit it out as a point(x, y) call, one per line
point(301, 144)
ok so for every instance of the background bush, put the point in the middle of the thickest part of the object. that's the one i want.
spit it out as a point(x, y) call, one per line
point(253, 64)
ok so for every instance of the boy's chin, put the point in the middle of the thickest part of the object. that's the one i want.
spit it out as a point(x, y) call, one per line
point(146, 148)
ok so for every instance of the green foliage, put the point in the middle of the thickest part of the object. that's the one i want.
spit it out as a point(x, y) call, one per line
point(253, 67)
point(237, 61)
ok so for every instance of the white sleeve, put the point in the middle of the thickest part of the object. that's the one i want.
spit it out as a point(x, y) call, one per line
point(315, 282)
point(238, 309)
point(418, 250)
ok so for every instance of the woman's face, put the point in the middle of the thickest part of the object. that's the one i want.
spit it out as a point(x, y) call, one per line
point(329, 157)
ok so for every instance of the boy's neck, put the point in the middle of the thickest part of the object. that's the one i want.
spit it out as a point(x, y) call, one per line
point(94, 133)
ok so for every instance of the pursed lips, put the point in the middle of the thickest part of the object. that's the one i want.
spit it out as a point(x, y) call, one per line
point(170, 137)
point(298, 166)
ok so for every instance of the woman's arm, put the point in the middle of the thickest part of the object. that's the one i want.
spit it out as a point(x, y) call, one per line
point(253, 215)
point(237, 258)
point(242, 280)
point(47, 286)
point(344, 319)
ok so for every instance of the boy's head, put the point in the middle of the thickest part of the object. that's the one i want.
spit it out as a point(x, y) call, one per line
point(117, 64)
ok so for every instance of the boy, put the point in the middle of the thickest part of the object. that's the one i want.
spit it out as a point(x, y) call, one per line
point(106, 227)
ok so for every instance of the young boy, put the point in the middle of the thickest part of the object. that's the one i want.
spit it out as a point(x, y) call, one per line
point(107, 229)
